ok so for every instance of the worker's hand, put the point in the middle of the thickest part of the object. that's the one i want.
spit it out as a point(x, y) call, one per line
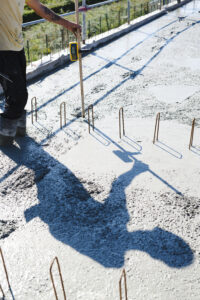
point(74, 28)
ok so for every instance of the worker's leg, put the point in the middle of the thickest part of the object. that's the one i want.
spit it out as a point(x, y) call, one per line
point(13, 65)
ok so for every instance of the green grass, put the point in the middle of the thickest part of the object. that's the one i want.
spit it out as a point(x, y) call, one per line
point(46, 38)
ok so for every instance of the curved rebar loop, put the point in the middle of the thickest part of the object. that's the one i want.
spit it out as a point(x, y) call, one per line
point(192, 134)
point(157, 126)
point(61, 279)
point(125, 285)
point(2, 292)
point(34, 108)
point(90, 107)
point(121, 115)
point(63, 106)
point(5, 269)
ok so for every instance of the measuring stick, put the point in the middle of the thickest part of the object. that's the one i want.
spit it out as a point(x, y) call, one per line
point(80, 60)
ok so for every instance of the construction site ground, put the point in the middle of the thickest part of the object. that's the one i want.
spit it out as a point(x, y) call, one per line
point(100, 203)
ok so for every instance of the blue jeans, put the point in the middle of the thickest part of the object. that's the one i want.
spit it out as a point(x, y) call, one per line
point(13, 65)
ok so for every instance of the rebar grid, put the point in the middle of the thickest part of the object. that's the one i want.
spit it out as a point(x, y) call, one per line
point(121, 116)
point(192, 134)
point(5, 269)
point(61, 279)
point(2, 291)
point(34, 109)
point(90, 107)
point(125, 285)
point(62, 106)
point(157, 126)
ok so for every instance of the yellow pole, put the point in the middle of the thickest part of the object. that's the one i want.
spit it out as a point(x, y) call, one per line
point(80, 60)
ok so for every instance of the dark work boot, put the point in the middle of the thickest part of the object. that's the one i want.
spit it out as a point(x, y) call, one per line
point(21, 125)
point(8, 129)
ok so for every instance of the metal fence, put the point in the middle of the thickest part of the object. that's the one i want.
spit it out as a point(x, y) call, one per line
point(42, 39)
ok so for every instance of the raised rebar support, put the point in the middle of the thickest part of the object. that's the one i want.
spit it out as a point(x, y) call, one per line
point(90, 107)
point(157, 126)
point(51, 275)
point(121, 116)
point(62, 107)
point(125, 286)
point(33, 109)
point(192, 134)
point(5, 269)
point(2, 291)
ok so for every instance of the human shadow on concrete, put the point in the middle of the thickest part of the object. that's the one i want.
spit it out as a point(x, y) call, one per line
point(97, 230)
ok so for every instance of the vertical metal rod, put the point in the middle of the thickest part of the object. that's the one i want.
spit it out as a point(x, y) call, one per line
point(62, 39)
point(121, 115)
point(192, 134)
point(28, 51)
point(157, 126)
point(2, 291)
point(5, 269)
point(47, 42)
point(80, 60)
point(61, 279)
point(33, 108)
point(100, 24)
point(119, 18)
point(63, 104)
point(125, 286)
point(128, 11)
point(90, 107)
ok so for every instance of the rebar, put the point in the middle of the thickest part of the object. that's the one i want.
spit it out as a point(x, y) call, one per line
point(34, 109)
point(121, 116)
point(62, 105)
point(5, 269)
point(125, 286)
point(157, 126)
point(61, 279)
point(2, 291)
point(192, 134)
point(90, 107)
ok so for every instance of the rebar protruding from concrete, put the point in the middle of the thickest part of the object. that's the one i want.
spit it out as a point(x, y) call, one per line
point(90, 107)
point(62, 106)
point(157, 125)
point(2, 292)
point(61, 279)
point(5, 269)
point(125, 285)
point(34, 108)
point(121, 116)
point(192, 134)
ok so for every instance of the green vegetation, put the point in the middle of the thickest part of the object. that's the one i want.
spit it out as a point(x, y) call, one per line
point(46, 38)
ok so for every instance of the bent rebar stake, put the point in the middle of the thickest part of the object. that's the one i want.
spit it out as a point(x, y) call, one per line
point(63, 104)
point(52, 280)
point(121, 112)
point(125, 285)
point(192, 134)
point(157, 125)
point(34, 108)
point(90, 107)
point(2, 291)
point(5, 269)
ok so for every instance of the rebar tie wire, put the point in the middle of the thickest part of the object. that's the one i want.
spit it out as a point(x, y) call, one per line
point(5, 270)
point(125, 285)
point(62, 107)
point(90, 107)
point(61, 279)
point(34, 108)
point(121, 116)
point(192, 134)
point(157, 126)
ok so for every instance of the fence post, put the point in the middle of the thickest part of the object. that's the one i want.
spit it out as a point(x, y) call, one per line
point(121, 112)
point(128, 11)
point(83, 23)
